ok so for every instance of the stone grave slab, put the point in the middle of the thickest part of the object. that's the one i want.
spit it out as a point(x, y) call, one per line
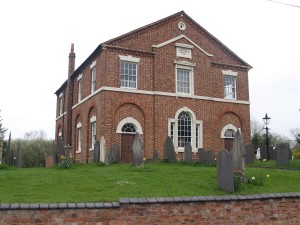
point(187, 153)
point(201, 155)
point(102, 150)
point(282, 154)
point(249, 153)
point(116, 153)
point(169, 150)
point(238, 153)
point(96, 152)
point(225, 171)
point(138, 151)
point(209, 157)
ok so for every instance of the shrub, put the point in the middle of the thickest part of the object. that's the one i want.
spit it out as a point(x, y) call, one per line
point(65, 162)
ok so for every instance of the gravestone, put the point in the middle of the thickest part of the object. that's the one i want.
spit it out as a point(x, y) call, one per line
point(282, 154)
point(116, 153)
point(169, 150)
point(238, 153)
point(263, 153)
point(249, 153)
point(67, 151)
point(187, 153)
point(209, 157)
point(201, 155)
point(225, 171)
point(102, 150)
point(19, 156)
point(108, 157)
point(272, 153)
point(138, 151)
point(96, 152)
point(155, 156)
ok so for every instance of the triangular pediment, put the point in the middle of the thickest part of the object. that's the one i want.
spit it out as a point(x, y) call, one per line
point(180, 37)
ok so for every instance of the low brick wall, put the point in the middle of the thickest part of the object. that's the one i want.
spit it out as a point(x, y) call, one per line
point(233, 209)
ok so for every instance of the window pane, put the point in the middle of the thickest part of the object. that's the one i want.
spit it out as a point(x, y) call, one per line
point(183, 81)
point(184, 129)
point(128, 74)
point(229, 87)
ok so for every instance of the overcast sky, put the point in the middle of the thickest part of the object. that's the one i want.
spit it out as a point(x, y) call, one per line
point(36, 36)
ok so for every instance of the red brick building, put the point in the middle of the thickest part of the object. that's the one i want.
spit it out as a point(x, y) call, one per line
point(171, 77)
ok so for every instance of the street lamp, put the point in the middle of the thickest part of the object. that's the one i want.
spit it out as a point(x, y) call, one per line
point(266, 122)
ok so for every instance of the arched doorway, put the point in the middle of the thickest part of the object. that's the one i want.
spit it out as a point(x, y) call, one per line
point(128, 128)
point(228, 133)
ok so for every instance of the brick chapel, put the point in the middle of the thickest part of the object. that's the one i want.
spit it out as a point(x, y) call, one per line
point(169, 78)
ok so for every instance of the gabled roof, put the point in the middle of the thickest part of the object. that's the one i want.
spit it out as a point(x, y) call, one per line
point(164, 20)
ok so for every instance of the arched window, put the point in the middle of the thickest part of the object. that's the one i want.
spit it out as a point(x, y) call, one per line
point(128, 128)
point(229, 133)
point(184, 129)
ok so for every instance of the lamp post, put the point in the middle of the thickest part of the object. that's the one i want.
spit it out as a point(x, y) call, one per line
point(266, 120)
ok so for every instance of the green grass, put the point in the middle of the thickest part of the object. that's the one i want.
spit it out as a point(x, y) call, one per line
point(94, 183)
point(294, 164)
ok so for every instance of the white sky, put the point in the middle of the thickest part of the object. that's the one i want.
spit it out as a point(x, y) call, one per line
point(36, 35)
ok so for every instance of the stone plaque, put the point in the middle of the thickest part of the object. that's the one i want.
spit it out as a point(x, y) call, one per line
point(183, 52)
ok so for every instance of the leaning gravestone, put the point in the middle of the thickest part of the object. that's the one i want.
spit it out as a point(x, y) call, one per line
point(138, 151)
point(201, 155)
point(61, 149)
point(187, 153)
point(169, 150)
point(155, 156)
point(102, 150)
point(249, 153)
point(108, 157)
point(96, 152)
point(238, 153)
point(282, 154)
point(225, 171)
point(209, 157)
point(116, 153)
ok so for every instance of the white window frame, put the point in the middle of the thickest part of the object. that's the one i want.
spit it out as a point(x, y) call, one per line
point(233, 75)
point(133, 60)
point(194, 124)
point(131, 120)
point(79, 138)
point(93, 130)
point(228, 127)
point(182, 65)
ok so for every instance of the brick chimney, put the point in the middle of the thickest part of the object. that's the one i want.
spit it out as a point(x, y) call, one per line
point(72, 57)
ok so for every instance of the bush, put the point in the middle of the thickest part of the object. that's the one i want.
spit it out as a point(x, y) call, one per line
point(3, 166)
point(65, 162)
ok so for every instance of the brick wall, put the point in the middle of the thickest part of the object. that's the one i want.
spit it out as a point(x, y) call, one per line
point(233, 209)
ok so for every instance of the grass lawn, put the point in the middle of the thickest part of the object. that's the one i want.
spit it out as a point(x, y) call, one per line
point(94, 183)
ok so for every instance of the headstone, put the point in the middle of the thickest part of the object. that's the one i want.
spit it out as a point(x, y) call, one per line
point(187, 153)
point(67, 151)
point(249, 153)
point(263, 153)
point(138, 151)
point(169, 150)
point(96, 152)
point(209, 157)
point(155, 156)
point(225, 171)
point(19, 156)
point(102, 150)
point(272, 153)
point(238, 153)
point(116, 153)
point(201, 155)
point(108, 157)
point(282, 154)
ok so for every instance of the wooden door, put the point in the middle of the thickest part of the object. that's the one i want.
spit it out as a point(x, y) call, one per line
point(228, 143)
point(126, 147)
